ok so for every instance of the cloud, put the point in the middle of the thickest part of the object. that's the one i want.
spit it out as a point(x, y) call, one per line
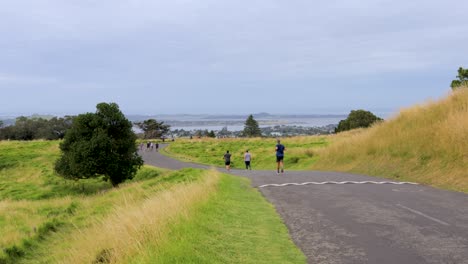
point(255, 37)
point(9, 79)
point(182, 45)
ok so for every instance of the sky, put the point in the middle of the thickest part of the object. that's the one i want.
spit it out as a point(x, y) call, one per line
point(228, 57)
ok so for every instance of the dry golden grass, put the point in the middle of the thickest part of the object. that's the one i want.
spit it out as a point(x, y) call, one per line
point(131, 225)
point(426, 143)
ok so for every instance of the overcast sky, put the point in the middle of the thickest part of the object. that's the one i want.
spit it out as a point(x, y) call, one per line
point(228, 56)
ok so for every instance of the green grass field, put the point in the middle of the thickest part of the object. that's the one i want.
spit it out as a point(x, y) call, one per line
point(300, 151)
point(46, 219)
point(26, 173)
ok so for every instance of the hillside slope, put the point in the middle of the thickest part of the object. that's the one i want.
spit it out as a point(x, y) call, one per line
point(426, 143)
point(161, 216)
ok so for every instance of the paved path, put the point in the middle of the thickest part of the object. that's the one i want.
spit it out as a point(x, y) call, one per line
point(360, 222)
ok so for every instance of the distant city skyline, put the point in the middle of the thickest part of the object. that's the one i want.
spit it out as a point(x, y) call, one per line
point(228, 57)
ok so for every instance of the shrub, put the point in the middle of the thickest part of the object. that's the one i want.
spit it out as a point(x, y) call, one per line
point(357, 119)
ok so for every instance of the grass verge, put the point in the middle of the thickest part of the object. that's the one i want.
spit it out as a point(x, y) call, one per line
point(236, 225)
point(124, 232)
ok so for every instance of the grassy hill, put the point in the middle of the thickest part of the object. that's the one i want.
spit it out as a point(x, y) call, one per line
point(426, 143)
point(187, 216)
point(300, 151)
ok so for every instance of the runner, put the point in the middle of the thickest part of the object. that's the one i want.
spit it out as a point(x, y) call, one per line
point(279, 157)
point(157, 146)
point(247, 159)
point(227, 160)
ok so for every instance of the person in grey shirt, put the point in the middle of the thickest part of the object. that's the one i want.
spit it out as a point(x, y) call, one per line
point(247, 159)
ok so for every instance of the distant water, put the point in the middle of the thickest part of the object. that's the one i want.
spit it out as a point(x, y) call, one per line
point(305, 122)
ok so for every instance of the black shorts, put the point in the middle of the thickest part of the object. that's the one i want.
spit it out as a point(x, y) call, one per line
point(227, 163)
point(279, 158)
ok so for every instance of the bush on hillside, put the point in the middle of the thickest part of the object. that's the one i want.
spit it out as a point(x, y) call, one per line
point(357, 119)
point(100, 144)
point(462, 79)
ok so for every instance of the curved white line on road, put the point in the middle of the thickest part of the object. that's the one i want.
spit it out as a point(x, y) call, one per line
point(334, 182)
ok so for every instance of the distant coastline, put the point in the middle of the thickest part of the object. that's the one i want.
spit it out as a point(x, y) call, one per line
point(216, 122)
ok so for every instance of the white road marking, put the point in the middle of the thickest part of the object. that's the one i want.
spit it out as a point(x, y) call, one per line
point(333, 182)
point(424, 215)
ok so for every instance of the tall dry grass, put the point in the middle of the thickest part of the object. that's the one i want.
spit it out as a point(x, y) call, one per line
point(127, 230)
point(426, 143)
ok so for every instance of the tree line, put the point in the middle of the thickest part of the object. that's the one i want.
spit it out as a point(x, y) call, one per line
point(32, 128)
point(36, 128)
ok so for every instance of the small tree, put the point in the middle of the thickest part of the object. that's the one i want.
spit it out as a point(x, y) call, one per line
point(153, 128)
point(251, 128)
point(224, 132)
point(25, 128)
point(462, 79)
point(100, 144)
point(357, 119)
point(58, 127)
point(198, 133)
point(211, 134)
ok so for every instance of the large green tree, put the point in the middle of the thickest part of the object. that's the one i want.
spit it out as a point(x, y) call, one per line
point(251, 128)
point(153, 129)
point(357, 119)
point(462, 80)
point(100, 144)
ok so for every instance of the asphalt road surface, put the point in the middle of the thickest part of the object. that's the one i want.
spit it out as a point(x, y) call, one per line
point(348, 218)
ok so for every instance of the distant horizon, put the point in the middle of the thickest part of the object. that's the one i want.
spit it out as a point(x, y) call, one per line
point(332, 112)
point(338, 110)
